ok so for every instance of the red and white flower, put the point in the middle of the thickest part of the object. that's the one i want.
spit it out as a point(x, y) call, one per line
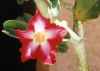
point(40, 40)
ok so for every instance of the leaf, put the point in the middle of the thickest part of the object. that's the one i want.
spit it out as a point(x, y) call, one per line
point(10, 26)
point(86, 9)
point(26, 16)
point(63, 47)
point(54, 3)
point(20, 2)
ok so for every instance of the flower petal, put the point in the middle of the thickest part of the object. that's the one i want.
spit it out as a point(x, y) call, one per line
point(55, 30)
point(48, 61)
point(46, 48)
point(52, 33)
point(51, 59)
point(49, 53)
point(26, 52)
point(31, 49)
point(24, 34)
point(37, 22)
point(39, 25)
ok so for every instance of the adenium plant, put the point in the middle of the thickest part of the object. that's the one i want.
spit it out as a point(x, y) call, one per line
point(42, 34)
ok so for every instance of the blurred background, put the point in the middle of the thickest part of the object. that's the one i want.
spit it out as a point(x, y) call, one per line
point(9, 47)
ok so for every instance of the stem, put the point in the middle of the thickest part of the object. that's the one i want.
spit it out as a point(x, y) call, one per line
point(64, 24)
point(9, 34)
point(80, 48)
point(43, 7)
point(80, 51)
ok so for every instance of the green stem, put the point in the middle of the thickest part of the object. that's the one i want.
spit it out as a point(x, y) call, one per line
point(43, 7)
point(81, 53)
point(80, 48)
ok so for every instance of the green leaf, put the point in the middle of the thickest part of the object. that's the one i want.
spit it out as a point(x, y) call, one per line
point(10, 26)
point(20, 2)
point(63, 47)
point(26, 16)
point(86, 9)
point(54, 3)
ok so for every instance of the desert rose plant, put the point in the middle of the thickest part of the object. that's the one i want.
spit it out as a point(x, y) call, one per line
point(44, 34)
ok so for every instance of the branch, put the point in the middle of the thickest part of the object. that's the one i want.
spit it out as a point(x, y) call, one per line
point(80, 48)
point(64, 24)
point(43, 7)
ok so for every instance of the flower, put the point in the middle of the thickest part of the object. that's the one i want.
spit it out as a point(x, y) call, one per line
point(40, 40)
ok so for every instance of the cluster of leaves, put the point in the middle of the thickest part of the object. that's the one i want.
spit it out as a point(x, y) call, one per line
point(86, 9)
